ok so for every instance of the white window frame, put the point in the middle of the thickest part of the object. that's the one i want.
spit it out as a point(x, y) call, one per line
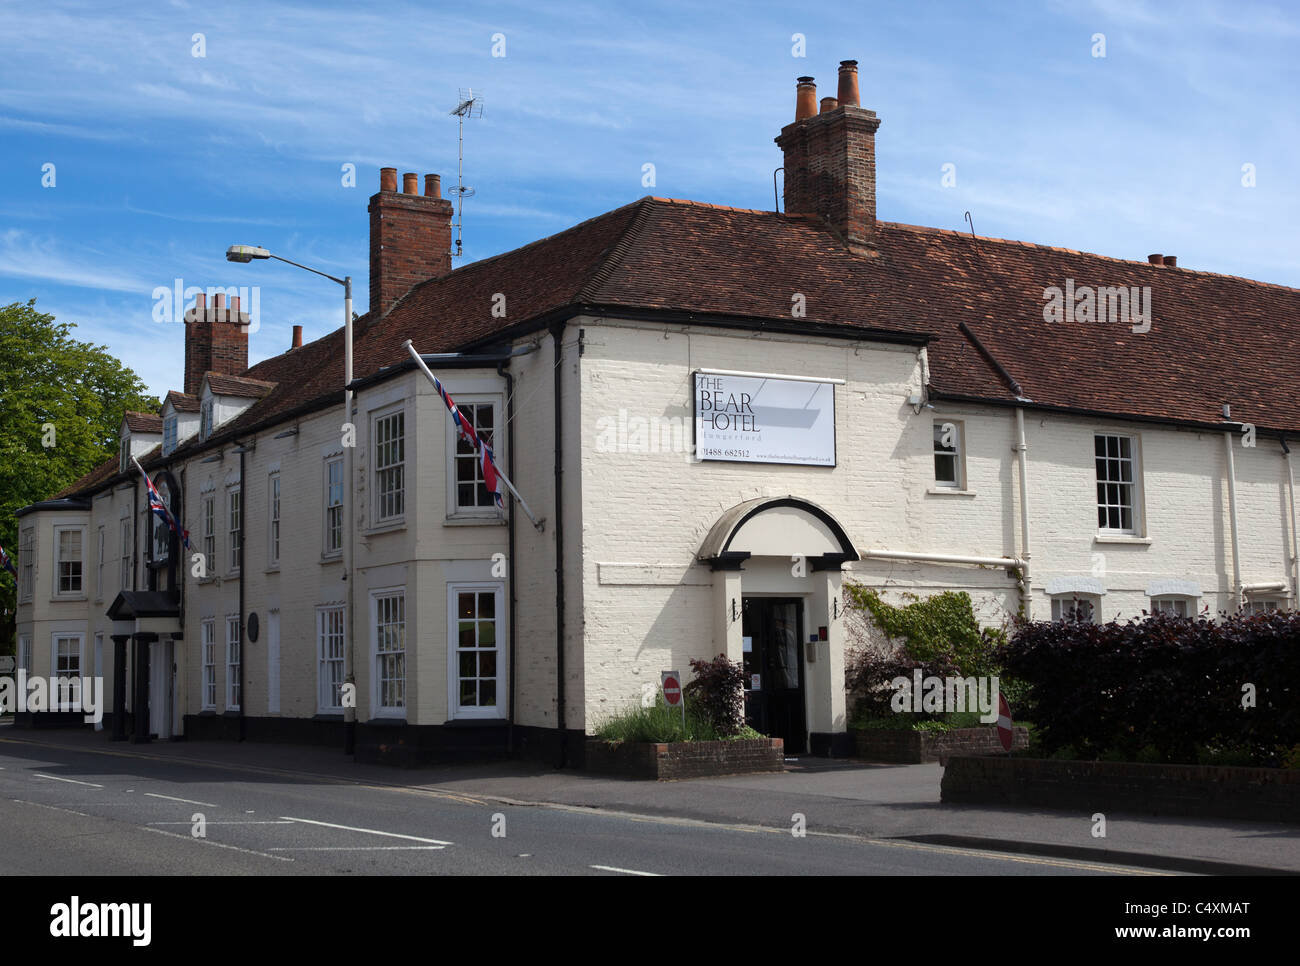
point(206, 413)
point(1061, 602)
point(124, 453)
point(1135, 485)
point(452, 447)
point(100, 551)
point(958, 453)
point(234, 655)
point(169, 434)
point(80, 592)
point(55, 639)
point(1169, 604)
point(331, 639)
point(208, 523)
point(208, 658)
point(1256, 604)
point(234, 516)
point(454, 651)
point(24, 654)
point(27, 563)
point(327, 550)
point(273, 519)
point(379, 709)
point(397, 495)
point(127, 551)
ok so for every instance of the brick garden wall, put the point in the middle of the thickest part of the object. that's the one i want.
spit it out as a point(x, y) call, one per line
point(1254, 794)
point(693, 759)
point(915, 747)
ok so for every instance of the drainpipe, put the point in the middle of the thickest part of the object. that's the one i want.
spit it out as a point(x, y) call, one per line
point(557, 337)
point(1232, 512)
point(510, 549)
point(1027, 597)
point(349, 524)
point(1295, 539)
point(243, 574)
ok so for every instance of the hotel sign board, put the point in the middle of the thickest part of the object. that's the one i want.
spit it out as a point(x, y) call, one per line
point(757, 418)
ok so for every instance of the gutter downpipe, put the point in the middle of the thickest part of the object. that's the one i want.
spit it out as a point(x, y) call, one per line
point(349, 523)
point(510, 550)
point(557, 336)
point(1027, 597)
point(1232, 512)
point(1295, 538)
point(243, 573)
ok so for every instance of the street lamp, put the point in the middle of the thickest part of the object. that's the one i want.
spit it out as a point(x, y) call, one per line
point(247, 253)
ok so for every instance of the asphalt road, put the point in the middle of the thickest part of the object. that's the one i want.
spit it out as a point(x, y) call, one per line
point(69, 812)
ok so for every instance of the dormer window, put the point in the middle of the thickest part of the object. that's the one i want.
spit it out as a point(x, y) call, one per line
point(124, 459)
point(169, 434)
point(205, 418)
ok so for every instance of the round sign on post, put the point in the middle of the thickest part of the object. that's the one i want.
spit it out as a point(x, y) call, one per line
point(1004, 722)
point(672, 687)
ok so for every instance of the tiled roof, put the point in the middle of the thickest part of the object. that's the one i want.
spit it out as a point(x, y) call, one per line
point(102, 473)
point(143, 422)
point(181, 402)
point(1213, 338)
point(223, 385)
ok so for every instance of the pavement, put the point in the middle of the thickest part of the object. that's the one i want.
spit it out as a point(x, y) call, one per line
point(881, 803)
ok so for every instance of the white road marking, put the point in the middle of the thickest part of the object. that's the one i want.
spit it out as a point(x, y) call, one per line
point(55, 808)
point(187, 801)
point(368, 831)
point(614, 868)
point(362, 848)
point(219, 845)
point(223, 823)
point(72, 781)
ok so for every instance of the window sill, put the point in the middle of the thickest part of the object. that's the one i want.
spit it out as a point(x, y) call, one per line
point(272, 570)
point(329, 558)
point(1122, 538)
point(949, 491)
point(461, 719)
point(462, 520)
point(68, 599)
point(389, 527)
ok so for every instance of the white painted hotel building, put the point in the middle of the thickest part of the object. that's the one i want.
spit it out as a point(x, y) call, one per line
point(899, 413)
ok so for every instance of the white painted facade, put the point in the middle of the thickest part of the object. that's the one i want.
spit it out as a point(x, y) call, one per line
point(637, 508)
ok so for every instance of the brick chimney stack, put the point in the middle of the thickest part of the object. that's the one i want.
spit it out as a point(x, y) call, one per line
point(830, 160)
point(410, 236)
point(216, 340)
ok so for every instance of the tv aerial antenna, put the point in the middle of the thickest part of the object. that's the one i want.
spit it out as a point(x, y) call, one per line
point(470, 105)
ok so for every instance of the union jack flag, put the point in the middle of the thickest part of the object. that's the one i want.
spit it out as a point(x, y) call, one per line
point(465, 430)
point(7, 563)
point(159, 508)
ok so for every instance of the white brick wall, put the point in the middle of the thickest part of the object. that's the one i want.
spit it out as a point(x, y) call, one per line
point(637, 602)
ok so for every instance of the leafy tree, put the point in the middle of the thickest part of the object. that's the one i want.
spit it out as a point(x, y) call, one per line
point(53, 390)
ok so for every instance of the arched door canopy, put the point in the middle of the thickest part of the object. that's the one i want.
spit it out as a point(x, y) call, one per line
point(780, 527)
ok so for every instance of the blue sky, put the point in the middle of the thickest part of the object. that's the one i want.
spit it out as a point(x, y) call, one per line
point(163, 159)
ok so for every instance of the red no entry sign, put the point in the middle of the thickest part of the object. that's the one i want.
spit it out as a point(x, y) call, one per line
point(672, 687)
point(1005, 734)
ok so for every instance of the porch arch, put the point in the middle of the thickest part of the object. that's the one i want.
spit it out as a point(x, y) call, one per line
point(777, 526)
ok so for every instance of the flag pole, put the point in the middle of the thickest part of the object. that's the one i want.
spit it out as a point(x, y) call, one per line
point(504, 479)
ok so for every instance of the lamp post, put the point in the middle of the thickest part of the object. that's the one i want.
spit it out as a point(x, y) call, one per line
point(245, 254)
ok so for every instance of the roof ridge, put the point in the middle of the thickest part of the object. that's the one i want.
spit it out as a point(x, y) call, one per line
point(930, 230)
point(617, 252)
point(499, 255)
